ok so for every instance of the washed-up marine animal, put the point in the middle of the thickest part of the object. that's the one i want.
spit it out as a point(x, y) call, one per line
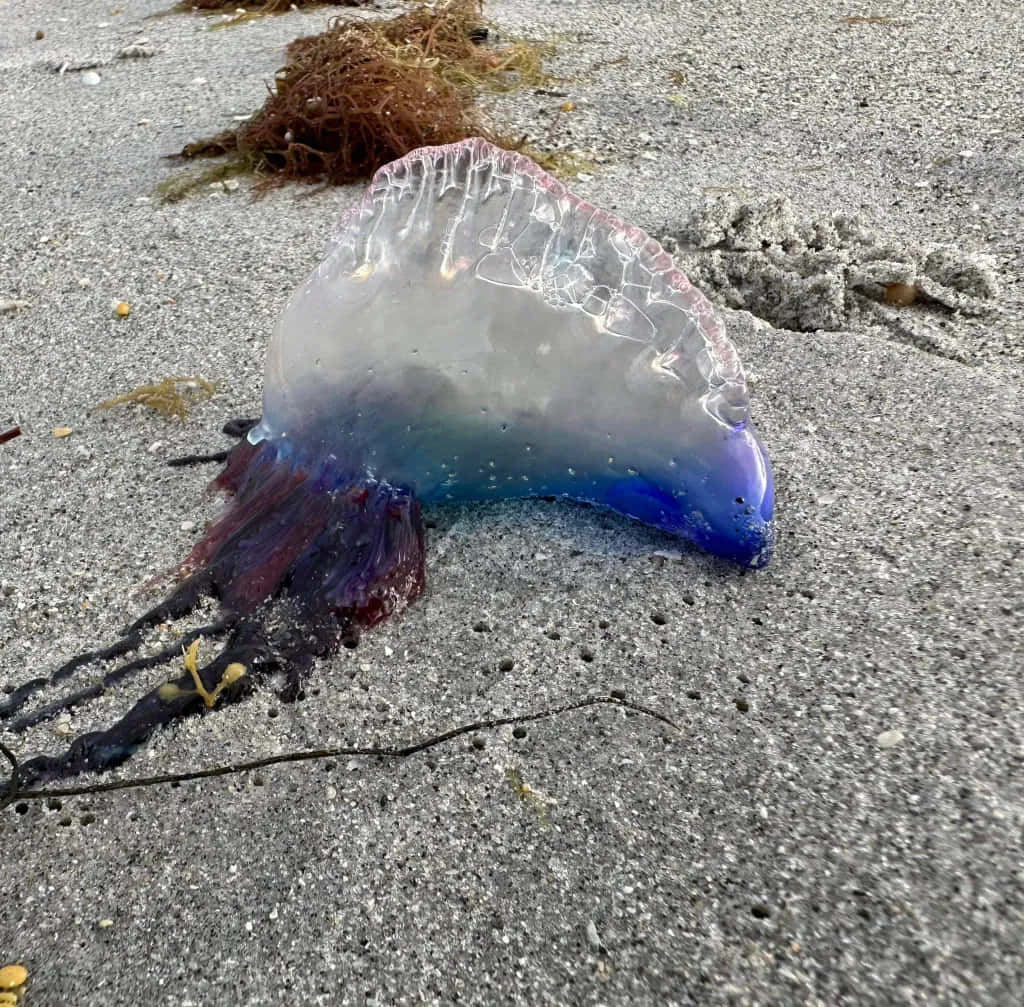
point(475, 332)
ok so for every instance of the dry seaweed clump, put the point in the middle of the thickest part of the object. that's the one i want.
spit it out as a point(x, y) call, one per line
point(362, 94)
point(172, 397)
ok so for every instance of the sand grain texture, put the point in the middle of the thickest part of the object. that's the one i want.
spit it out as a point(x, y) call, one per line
point(840, 821)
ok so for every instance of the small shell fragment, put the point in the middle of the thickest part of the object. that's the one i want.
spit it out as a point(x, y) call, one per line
point(900, 295)
point(123, 309)
point(13, 976)
point(62, 431)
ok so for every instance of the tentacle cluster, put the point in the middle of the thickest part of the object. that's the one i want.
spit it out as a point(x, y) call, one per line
point(302, 558)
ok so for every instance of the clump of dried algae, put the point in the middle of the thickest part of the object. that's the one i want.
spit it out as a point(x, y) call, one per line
point(171, 397)
point(363, 93)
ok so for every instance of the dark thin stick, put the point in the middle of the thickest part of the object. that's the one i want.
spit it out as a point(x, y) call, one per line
point(184, 460)
point(9, 435)
point(233, 428)
point(385, 752)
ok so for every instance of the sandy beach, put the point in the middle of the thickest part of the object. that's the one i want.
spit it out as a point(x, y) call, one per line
point(839, 821)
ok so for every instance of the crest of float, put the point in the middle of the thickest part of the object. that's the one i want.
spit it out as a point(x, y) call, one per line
point(475, 332)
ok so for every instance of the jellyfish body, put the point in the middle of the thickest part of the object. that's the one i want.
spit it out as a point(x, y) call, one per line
point(476, 332)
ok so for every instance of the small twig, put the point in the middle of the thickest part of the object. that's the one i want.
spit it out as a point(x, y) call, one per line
point(217, 456)
point(602, 63)
point(236, 428)
point(9, 435)
point(15, 793)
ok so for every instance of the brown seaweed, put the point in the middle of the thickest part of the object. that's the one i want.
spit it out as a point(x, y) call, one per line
point(362, 94)
point(170, 397)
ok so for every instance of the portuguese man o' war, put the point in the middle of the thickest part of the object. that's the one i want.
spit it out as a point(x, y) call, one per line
point(475, 332)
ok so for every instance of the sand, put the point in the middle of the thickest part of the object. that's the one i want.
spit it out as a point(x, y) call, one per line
point(839, 820)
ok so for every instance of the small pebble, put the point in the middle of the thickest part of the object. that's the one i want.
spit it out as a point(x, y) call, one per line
point(900, 295)
point(62, 431)
point(104, 924)
point(13, 976)
point(137, 49)
point(91, 78)
point(188, 526)
point(123, 309)
point(889, 739)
